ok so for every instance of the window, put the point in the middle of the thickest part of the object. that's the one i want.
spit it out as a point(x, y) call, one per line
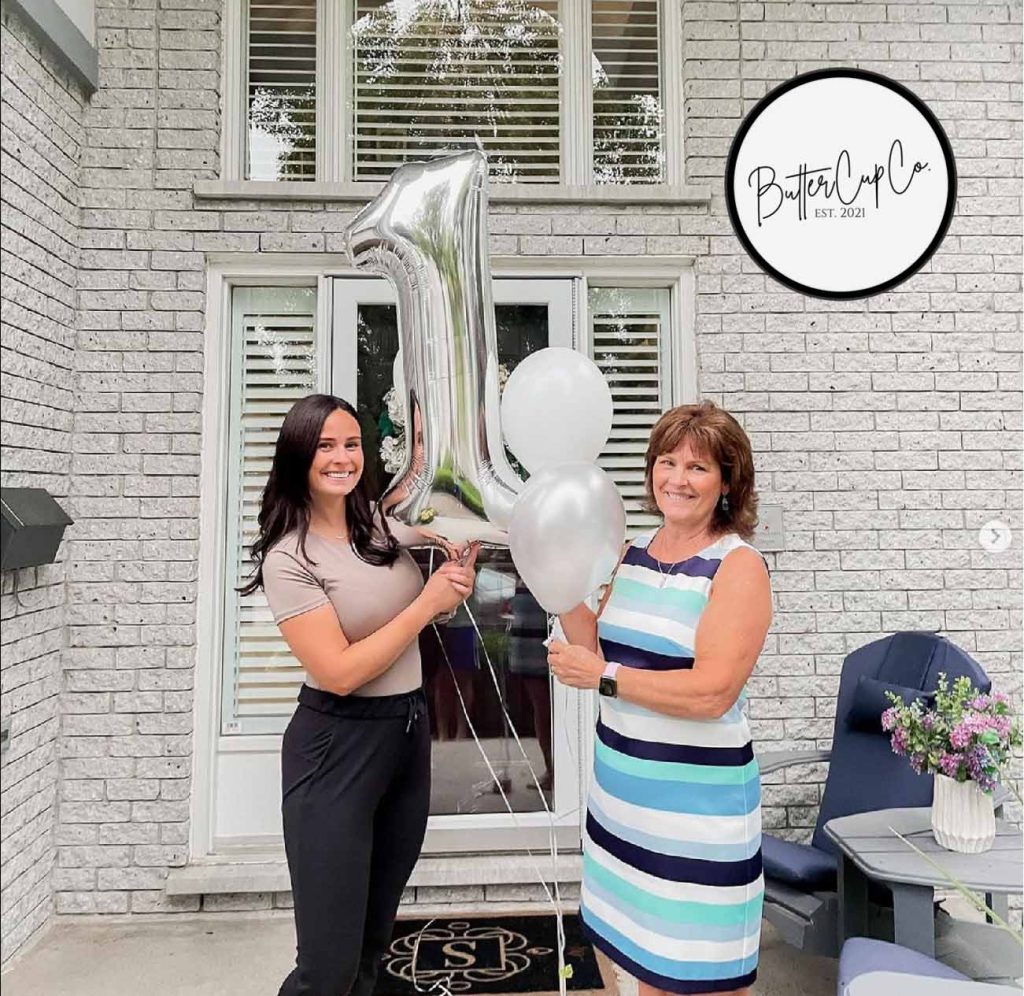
point(448, 74)
point(281, 90)
point(629, 333)
point(628, 113)
point(273, 365)
point(554, 91)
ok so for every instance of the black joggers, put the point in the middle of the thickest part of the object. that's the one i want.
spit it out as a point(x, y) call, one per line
point(355, 775)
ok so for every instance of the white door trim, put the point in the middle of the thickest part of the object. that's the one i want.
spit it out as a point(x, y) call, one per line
point(227, 269)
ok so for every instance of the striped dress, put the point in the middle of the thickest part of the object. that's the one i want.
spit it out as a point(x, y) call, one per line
point(672, 883)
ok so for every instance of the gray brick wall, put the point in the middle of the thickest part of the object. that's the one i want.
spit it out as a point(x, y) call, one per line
point(41, 137)
point(886, 428)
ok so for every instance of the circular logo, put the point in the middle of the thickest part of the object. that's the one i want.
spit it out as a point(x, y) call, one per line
point(840, 183)
point(995, 536)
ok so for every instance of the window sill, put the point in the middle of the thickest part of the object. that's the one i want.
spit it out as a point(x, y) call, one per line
point(235, 876)
point(500, 193)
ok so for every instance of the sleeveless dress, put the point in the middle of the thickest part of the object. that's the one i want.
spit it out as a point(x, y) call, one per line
point(672, 884)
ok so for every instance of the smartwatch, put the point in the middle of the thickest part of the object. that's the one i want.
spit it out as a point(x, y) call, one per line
point(608, 685)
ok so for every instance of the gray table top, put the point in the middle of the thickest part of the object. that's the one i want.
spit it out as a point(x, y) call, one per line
point(899, 984)
point(867, 840)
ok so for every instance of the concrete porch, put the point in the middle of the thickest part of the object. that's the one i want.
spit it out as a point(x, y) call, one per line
point(248, 954)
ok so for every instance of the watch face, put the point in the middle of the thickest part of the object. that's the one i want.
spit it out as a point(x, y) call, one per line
point(607, 686)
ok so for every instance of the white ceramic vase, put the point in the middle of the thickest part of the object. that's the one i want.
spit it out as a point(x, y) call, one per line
point(962, 816)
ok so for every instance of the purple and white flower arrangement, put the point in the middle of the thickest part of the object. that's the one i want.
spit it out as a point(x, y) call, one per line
point(967, 736)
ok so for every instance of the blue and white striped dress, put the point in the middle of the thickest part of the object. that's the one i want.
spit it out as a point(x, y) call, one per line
point(672, 883)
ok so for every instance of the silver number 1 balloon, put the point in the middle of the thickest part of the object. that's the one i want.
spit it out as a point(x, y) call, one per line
point(427, 232)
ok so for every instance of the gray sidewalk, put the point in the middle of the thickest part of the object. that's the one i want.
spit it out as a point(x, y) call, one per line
point(249, 954)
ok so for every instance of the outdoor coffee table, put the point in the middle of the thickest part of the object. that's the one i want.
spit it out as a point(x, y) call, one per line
point(870, 850)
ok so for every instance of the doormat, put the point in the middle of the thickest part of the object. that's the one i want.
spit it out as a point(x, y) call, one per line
point(513, 953)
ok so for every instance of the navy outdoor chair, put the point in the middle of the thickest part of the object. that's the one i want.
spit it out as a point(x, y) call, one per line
point(863, 776)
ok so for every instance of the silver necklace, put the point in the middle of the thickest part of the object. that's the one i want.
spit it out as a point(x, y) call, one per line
point(671, 567)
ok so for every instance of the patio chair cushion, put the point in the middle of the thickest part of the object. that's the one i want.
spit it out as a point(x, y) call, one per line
point(800, 865)
point(863, 954)
point(870, 701)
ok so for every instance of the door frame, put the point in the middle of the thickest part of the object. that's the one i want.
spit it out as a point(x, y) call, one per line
point(226, 270)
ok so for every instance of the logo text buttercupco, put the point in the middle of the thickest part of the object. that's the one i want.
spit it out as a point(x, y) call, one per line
point(840, 183)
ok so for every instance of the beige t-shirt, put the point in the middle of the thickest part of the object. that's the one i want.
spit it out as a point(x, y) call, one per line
point(365, 597)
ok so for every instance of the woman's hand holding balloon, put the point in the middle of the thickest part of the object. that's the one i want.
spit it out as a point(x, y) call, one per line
point(451, 584)
point(575, 666)
point(453, 551)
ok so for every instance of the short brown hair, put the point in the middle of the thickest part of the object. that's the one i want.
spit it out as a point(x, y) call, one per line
point(713, 432)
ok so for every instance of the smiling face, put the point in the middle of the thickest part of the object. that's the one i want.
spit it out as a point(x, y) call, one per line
point(687, 486)
point(338, 462)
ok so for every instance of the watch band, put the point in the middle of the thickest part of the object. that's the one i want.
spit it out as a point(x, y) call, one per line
point(607, 685)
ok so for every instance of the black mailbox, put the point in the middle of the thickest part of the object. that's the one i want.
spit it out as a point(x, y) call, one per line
point(31, 527)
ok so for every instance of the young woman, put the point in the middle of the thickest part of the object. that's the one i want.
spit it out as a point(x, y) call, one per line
point(672, 884)
point(355, 760)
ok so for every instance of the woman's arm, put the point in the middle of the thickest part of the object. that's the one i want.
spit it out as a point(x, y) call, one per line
point(336, 665)
point(580, 624)
point(730, 636)
point(321, 647)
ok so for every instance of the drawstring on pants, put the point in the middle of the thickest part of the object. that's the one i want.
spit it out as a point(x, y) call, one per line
point(413, 713)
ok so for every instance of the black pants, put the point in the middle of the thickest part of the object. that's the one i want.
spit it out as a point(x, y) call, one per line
point(356, 790)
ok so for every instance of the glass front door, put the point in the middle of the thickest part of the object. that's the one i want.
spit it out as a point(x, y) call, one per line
point(485, 671)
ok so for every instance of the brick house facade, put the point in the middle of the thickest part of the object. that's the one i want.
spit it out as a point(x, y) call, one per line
point(886, 429)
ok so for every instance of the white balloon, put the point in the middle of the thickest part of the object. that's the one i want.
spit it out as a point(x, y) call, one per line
point(557, 408)
point(568, 526)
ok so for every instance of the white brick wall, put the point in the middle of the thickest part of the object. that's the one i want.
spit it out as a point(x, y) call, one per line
point(151, 130)
point(886, 428)
point(41, 139)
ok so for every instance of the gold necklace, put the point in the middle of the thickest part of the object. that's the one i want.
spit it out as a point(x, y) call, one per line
point(340, 536)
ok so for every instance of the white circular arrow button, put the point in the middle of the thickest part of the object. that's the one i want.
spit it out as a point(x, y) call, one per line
point(995, 536)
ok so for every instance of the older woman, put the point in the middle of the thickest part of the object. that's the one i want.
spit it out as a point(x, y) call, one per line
point(672, 884)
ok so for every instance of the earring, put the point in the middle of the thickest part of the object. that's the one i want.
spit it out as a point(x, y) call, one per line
point(725, 504)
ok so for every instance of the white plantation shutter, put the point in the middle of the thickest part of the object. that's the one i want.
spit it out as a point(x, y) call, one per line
point(274, 365)
point(629, 332)
point(628, 108)
point(281, 90)
point(430, 76)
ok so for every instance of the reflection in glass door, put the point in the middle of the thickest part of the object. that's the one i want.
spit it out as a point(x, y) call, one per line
point(475, 674)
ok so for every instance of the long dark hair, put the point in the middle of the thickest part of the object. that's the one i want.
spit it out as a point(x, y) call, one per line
point(285, 503)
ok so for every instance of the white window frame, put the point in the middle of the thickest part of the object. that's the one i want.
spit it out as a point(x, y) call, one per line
point(332, 160)
point(227, 270)
point(224, 272)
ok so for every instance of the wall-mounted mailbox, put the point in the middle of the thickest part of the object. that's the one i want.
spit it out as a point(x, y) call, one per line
point(31, 527)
